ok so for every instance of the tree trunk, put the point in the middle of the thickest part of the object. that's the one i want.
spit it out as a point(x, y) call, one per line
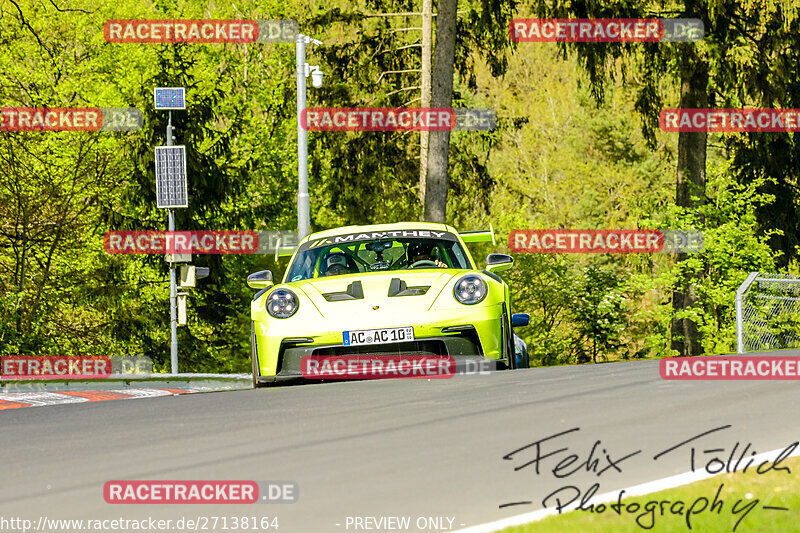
point(435, 208)
point(691, 181)
point(425, 93)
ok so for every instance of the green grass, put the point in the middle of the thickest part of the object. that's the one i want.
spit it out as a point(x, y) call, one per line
point(773, 488)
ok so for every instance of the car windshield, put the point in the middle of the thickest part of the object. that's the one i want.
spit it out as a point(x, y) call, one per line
point(342, 255)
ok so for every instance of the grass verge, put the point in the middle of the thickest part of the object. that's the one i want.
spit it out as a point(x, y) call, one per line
point(737, 502)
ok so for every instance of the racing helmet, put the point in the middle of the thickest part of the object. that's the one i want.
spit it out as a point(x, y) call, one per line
point(339, 259)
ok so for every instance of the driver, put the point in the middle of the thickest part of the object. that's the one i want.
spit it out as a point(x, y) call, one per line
point(336, 265)
point(422, 251)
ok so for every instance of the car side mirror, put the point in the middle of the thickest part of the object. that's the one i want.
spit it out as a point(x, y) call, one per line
point(519, 320)
point(498, 262)
point(260, 280)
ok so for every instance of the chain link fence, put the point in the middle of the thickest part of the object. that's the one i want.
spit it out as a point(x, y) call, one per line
point(768, 313)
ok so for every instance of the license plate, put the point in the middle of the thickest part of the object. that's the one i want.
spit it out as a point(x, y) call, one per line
point(377, 336)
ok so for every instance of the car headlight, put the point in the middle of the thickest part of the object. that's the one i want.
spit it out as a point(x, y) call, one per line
point(282, 303)
point(470, 289)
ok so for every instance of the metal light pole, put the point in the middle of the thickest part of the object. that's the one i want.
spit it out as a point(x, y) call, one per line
point(303, 70)
point(171, 193)
point(173, 289)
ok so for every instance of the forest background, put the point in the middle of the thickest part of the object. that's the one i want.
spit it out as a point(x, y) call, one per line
point(574, 147)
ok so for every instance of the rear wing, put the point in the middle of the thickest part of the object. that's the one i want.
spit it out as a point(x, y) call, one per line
point(478, 235)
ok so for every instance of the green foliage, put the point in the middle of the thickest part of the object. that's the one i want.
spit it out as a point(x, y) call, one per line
point(571, 163)
point(60, 193)
point(733, 249)
point(559, 158)
point(599, 312)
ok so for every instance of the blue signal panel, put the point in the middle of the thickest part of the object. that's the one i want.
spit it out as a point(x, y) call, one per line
point(170, 98)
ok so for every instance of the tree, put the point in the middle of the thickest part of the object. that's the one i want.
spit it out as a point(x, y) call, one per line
point(690, 186)
point(716, 69)
point(441, 96)
point(60, 192)
point(599, 311)
point(53, 184)
point(486, 25)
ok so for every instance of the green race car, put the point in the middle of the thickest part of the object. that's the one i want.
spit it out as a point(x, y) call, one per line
point(391, 289)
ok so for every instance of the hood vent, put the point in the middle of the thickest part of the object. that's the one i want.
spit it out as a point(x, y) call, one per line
point(398, 287)
point(354, 292)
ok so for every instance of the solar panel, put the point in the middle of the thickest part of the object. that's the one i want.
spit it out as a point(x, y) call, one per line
point(171, 188)
point(170, 97)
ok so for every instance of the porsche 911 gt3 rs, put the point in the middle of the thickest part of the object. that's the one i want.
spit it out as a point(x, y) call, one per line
point(393, 289)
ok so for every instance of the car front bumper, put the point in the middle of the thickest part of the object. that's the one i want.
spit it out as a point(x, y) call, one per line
point(475, 335)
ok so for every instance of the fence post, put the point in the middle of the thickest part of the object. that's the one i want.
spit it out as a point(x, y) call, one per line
point(739, 311)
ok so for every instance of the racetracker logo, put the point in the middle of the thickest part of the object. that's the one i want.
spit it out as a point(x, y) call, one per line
point(378, 119)
point(586, 30)
point(397, 119)
point(735, 368)
point(55, 367)
point(70, 119)
point(606, 30)
point(197, 242)
point(730, 120)
point(624, 241)
point(377, 366)
point(183, 492)
point(200, 31)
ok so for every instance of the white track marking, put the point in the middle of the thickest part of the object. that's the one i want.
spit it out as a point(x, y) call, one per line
point(38, 399)
point(143, 393)
point(41, 398)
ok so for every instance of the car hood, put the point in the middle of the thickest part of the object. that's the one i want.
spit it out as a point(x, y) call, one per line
point(395, 291)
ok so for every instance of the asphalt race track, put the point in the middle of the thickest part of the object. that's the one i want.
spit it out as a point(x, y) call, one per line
point(413, 448)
